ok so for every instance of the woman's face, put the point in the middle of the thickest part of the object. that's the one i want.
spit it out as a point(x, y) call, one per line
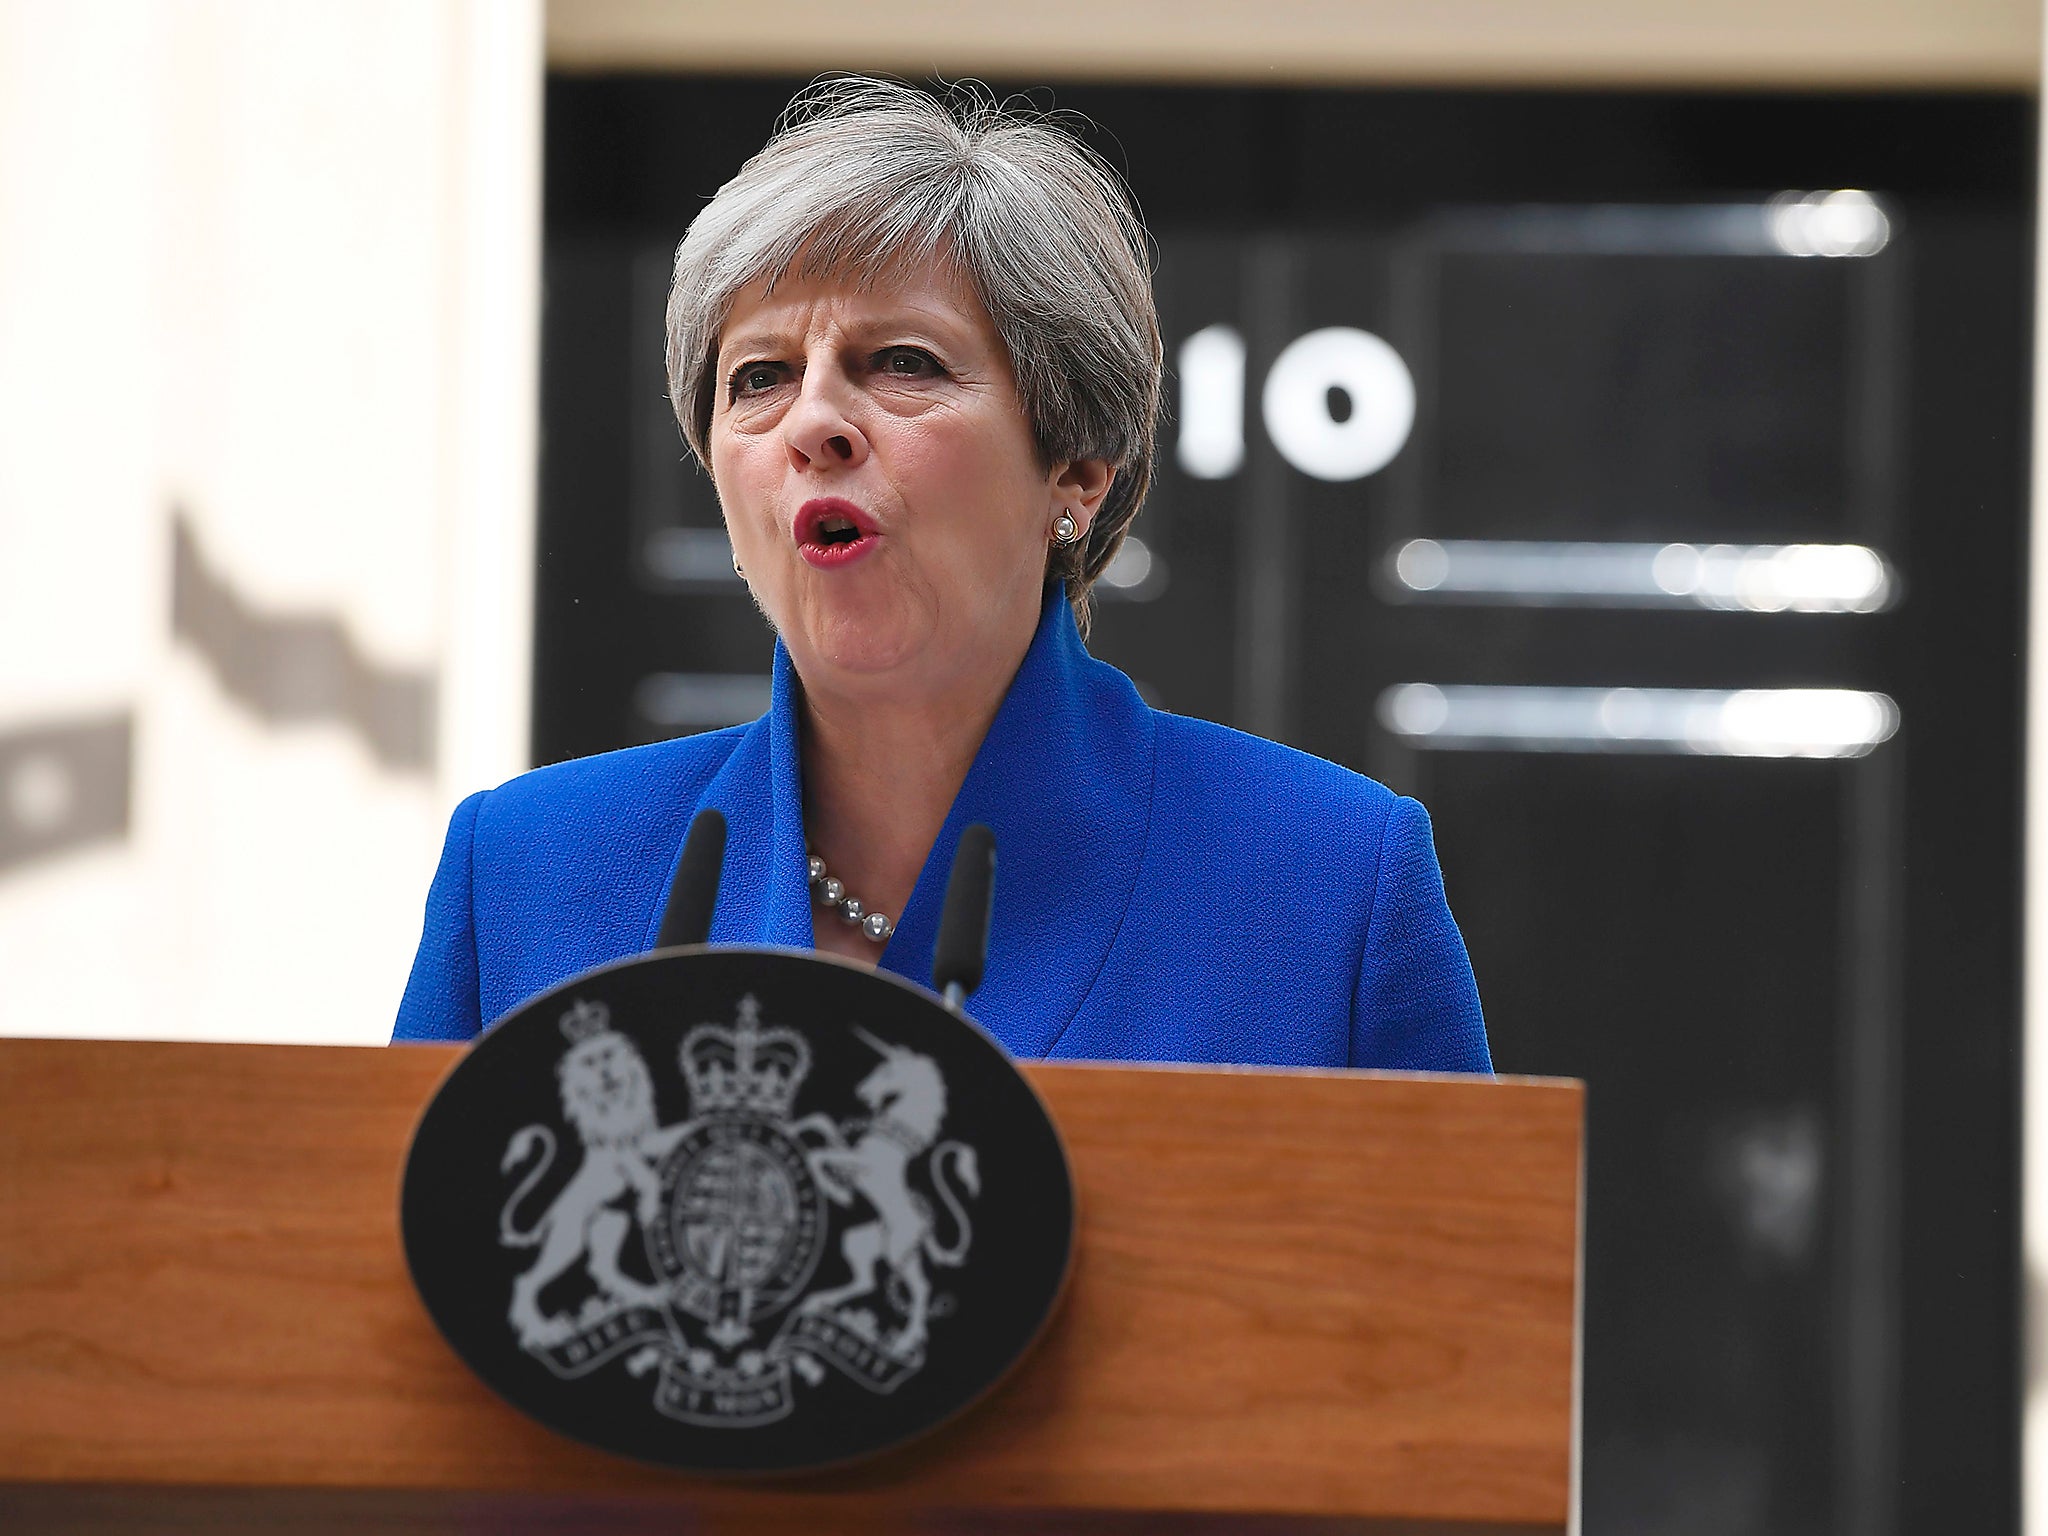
point(880, 482)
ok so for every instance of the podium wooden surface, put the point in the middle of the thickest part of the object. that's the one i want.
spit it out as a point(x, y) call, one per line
point(1303, 1301)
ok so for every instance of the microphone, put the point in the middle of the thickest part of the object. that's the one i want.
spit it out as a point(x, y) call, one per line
point(687, 918)
point(962, 949)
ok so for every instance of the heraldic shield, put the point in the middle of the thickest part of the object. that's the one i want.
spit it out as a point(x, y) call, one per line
point(738, 1210)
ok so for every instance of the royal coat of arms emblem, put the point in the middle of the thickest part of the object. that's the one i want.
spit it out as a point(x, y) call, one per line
point(731, 1205)
point(738, 1210)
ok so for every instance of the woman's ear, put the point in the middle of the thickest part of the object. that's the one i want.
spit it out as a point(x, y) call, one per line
point(1080, 486)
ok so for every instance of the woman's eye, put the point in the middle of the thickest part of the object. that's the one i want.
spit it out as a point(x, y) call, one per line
point(753, 378)
point(909, 362)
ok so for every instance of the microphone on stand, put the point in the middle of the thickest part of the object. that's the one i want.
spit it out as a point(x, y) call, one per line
point(962, 948)
point(687, 918)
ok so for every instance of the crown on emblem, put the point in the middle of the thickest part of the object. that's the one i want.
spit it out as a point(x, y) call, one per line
point(744, 1069)
point(585, 1019)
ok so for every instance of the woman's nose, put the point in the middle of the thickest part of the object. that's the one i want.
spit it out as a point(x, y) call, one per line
point(819, 430)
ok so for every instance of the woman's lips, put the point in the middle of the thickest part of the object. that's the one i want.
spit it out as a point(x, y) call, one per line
point(831, 533)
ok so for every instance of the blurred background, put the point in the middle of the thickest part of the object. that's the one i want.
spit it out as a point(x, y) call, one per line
point(1610, 425)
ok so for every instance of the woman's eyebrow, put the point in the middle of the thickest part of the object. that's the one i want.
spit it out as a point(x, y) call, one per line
point(933, 325)
point(752, 341)
point(938, 325)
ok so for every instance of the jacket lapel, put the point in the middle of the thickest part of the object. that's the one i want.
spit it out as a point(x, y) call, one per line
point(1063, 779)
point(764, 893)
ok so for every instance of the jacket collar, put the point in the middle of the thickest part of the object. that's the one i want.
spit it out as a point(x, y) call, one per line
point(1063, 779)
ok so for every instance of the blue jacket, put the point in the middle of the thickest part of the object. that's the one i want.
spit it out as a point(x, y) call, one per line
point(1166, 889)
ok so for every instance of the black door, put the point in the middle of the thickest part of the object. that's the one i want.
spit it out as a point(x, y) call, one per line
point(1578, 465)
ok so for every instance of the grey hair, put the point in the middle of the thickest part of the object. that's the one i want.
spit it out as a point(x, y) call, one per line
point(863, 175)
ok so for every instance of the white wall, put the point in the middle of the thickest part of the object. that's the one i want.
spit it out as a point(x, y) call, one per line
point(273, 263)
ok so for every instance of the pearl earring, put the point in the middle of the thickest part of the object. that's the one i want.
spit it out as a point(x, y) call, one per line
point(736, 568)
point(1065, 530)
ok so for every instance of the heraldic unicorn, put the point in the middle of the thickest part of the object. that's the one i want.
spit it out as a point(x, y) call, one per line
point(734, 1207)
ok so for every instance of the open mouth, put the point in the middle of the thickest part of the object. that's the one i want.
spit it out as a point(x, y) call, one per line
point(830, 531)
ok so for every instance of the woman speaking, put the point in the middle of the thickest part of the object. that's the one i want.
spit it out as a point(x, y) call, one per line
point(914, 344)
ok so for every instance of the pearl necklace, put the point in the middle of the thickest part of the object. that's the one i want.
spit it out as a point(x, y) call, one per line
point(830, 891)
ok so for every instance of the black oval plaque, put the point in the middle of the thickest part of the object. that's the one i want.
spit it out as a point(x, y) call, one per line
point(738, 1210)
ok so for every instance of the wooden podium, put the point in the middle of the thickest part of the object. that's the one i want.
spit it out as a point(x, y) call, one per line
point(1315, 1301)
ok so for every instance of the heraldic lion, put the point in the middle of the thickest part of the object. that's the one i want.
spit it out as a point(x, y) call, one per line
point(608, 1096)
